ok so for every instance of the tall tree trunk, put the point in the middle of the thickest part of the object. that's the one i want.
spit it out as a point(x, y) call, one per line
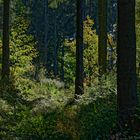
point(5, 46)
point(55, 45)
point(126, 65)
point(46, 32)
point(79, 89)
point(102, 44)
point(1, 13)
point(62, 63)
point(90, 8)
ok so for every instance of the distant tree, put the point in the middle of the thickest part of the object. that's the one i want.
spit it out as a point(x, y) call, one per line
point(102, 50)
point(46, 8)
point(62, 63)
point(55, 52)
point(79, 89)
point(5, 45)
point(126, 65)
point(90, 7)
point(1, 12)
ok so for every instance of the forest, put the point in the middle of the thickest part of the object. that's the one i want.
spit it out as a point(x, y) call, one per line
point(69, 69)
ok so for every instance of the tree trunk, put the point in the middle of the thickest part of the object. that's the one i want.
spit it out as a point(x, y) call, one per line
point(102, 44)
point(5, 46)
point(55, 46)
point(126, 65)
point(79, 89)
point(62, 63)
point(46, 33)
point(90, 8)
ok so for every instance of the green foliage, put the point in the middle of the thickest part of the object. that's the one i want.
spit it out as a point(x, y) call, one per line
point(55, 3)
point(98, 111)
point(46, 109)
point(52, 113)
point(38, 127)
point(22, 45)
point(22, 48)
point(90, 52)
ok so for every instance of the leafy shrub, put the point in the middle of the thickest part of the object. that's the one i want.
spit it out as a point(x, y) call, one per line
point(52, 113)
point(90, 50)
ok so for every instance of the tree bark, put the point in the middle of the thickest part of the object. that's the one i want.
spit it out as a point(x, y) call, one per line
point(5, 46)
point(126, 64)
point(62, 63)
point(79, 89)
point(102, 44)
point(46, 33)
point(55, 46)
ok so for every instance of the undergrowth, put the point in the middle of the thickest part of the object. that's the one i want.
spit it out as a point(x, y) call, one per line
point(31, 110)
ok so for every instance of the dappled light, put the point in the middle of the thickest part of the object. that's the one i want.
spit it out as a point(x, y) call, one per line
point(69, 70)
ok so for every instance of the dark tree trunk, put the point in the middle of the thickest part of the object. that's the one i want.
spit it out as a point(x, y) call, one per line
point(1, 13)
point(90, 8)
point(102, 50)
point(79, 89)
point(5, 46)
point(62, 64)
point(46, 32)
point(126, 65)
point(55, 46)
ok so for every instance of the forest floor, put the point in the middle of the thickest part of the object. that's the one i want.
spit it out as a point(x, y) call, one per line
point(46, 110)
